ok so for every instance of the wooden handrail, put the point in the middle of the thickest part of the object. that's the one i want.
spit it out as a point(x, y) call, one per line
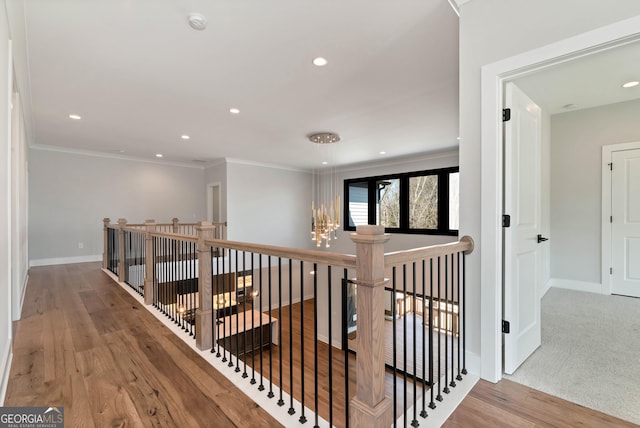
point(177, 236)
point(465, 245)
point(334, 259)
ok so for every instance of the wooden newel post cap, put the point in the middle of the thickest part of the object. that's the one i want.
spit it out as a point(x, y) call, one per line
point(106, 221)
point(122, 221)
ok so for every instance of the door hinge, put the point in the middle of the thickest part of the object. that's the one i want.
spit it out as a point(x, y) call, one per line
point(610, 166)
point(506, 114)
point(610, 219)
point(610, 271)
point(506, 220)
point(506, 327)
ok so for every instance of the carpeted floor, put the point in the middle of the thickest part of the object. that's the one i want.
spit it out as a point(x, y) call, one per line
point(590, 352)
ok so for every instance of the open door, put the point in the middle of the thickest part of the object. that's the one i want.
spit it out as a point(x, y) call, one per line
point(522, 239)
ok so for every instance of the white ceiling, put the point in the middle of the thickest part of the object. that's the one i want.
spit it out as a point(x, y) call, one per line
point(587, 82)
point(140, 77)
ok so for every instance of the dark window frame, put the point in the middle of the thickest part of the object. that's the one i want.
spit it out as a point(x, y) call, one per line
point(443, 201)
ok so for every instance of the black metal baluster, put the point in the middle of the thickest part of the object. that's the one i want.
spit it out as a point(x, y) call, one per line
point(394, 334)
point(227, 312)
point(346, 358)
point(291, 409)
point(446, 324)
point(414, 422)
point(439, 396)
point(232, 310)
point(423, 413)
point(432, 404)
point(404, 341)
point(221, 310)
point(244, 314)
point(315, 341)
point(329, 316)
point(280, 400)
point(464, 316)
point(253, 334)
point(270, 394)
point(261, 386)
point(450, 315)
point(302, 418)
point(154, 283)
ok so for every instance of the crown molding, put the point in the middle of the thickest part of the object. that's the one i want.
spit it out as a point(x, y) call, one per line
point(418, 157)
point(264, 165)
point(67, 150)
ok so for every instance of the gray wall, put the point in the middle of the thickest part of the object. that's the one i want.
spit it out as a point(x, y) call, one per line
point(70, 194)
point(523, 25)
point(576, 192)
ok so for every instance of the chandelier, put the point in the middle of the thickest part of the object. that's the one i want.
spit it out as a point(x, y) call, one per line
point(325, 199)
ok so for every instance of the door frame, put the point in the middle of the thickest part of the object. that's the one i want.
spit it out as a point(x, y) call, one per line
point(607, 261)
point(210, 188)
point(493, 77)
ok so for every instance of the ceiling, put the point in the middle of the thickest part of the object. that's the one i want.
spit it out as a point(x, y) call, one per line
point(590, 81)
point(140, 77)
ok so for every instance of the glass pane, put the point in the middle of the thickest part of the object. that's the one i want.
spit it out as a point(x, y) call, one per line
point(454, 201)
point(423, 202)
point(388, 207)
point(358, 204)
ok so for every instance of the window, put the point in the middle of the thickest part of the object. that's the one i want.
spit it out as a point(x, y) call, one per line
point(415, 202)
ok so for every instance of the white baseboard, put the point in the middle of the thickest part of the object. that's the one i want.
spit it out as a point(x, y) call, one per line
point(5, 368)
point(545, 288)
point(65, 260)
point(571, 284)
point(24, 292)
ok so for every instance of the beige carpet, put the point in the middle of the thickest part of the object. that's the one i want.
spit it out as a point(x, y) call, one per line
point(590, 352)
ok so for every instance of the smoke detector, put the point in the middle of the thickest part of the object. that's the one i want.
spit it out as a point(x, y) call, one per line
point(197, 21)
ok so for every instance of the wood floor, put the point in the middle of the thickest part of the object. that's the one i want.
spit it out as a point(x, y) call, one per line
point(85, 344)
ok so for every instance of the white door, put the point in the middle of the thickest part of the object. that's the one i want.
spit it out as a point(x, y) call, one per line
point(625, 222)
point(522, 202)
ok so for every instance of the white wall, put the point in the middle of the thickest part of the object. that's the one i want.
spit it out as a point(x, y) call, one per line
point(268, 205)
point(520, 26)
point(19, 216)
point(576, 194)
point(5, 207)
point(70, 194)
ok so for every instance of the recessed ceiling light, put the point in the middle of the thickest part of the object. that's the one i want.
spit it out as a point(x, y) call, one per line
point(383, 153)
point(185, 137)
point(631, 84)
point(320, 62)
point(158, 155)
point(569, 106)
point(234, 111)
point(458, 138)
point(75, 117)
point(324, 162)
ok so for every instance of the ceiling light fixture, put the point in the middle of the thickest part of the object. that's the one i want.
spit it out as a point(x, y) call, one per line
point(631, 84)
point(234, 111)
point(75, 117)
point(158, 155)
point(324, 138)
point(185, 137)
point(320, 62)
point(383, 153)
point(325, 200)
point(197, 21)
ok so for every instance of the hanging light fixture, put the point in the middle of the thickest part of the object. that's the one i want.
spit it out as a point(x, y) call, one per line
point(325, 200)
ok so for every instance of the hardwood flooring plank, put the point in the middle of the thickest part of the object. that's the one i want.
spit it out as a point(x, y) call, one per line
point(84, 343)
